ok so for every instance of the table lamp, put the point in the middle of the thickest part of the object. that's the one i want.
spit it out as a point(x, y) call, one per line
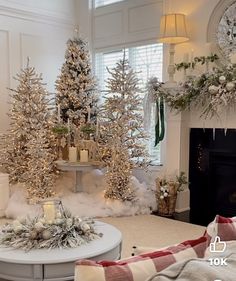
point(172, 31)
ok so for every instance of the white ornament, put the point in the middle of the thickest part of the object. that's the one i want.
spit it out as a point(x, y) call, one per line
point(213, 89)
point(85, 227)
point(18, 228)
point(39, 226)
point(222, 79)
point(46, 234)
point(162, 189)
point(161, 197)
point(230, 86)
point(165, 194)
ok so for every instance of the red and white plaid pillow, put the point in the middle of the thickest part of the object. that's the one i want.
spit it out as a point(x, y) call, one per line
point(138, 268)
point(223, 227)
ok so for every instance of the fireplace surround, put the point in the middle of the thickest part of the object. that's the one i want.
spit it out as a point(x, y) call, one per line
point(212, 174)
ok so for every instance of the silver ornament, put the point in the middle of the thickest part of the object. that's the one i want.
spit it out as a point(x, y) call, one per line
point(85, 227)
point(222, 79)
point(230, 86)
point(212, 89)
point(39, 226)
point(18, 228)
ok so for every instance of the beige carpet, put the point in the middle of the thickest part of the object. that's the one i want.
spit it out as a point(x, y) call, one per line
point(153, 231)
point(150, 231)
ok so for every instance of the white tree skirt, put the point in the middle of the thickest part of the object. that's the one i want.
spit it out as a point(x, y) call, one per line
point(90, 203)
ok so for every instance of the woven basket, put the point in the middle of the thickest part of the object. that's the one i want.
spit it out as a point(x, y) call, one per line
point(166, 206)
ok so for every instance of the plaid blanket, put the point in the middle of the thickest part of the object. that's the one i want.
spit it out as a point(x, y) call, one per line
point(201, 269)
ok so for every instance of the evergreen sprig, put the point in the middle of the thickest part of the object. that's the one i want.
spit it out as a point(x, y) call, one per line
point(197, 60)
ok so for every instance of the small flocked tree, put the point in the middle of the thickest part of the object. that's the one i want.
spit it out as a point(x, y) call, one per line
point(30, 140)
point(122, 132)
point(76, 86)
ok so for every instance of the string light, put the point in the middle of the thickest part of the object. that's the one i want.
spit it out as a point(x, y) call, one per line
point(121, 140)
point(28, 149)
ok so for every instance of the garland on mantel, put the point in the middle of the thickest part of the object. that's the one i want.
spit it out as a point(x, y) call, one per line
point(213, 92)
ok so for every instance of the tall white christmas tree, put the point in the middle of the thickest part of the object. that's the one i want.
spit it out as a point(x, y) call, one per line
point(30, 140)
point(122, 132)
point(76, 86)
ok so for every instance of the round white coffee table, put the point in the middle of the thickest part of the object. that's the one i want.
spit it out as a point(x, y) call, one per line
point(58, 264)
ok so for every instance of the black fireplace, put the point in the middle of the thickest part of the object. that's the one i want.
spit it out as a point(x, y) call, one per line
point(212, 174)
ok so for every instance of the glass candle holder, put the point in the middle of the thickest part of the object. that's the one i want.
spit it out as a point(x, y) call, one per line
point(52, 209)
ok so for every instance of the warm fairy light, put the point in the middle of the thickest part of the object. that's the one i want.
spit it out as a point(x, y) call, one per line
point(121, 140)
point(29, 149)
point(76, 86)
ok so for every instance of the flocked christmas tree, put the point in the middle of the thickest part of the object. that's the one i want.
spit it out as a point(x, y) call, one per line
point(28, 151)
point(122, 131)
point(76, 86)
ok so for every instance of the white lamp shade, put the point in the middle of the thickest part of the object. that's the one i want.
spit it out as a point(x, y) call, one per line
point(173, 29)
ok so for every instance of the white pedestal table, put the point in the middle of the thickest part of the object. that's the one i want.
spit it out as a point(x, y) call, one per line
point(58, 264)
point(79, 168)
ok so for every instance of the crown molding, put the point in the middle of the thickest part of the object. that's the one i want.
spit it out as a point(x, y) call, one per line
point(41, 16)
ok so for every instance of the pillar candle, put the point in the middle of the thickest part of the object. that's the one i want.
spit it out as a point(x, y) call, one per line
point(83, 155)
point(4, 192)
point(49, 211)
point(72, 154)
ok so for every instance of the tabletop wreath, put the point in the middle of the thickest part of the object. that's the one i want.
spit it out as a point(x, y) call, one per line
point(64, 232)
point(212, 92)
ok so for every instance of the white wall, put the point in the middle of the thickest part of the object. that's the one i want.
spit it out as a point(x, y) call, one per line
point(38, 29)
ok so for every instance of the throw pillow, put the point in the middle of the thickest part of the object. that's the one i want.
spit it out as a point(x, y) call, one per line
point(138, 268)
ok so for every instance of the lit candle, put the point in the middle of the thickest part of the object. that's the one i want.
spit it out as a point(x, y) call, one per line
point(89, 113)
point(72, 154)
point(83, 155)
point(49, 211)
point(59, 113)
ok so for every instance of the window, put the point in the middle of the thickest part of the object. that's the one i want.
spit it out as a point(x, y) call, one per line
point(99, 3)
point(147, 62)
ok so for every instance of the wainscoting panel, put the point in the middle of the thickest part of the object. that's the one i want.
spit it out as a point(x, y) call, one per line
point(4, 79)
point(126, 22)
point(46, 55)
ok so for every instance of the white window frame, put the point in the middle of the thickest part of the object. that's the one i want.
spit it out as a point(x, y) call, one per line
point(97, 5)
point(154, 162)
